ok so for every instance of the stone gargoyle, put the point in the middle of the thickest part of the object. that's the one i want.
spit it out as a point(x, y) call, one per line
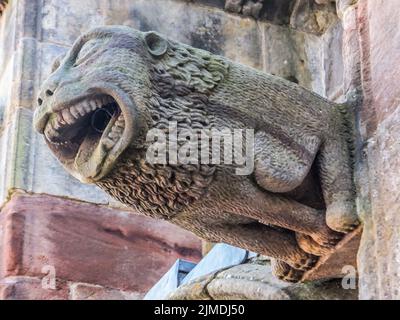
point(116, 84)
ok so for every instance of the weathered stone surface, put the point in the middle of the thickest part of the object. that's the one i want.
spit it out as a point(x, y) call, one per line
point(30, 288)
point(285, 54)
point(88, 243)
point(247, 282)
point(343, 5)
point(196, 290)
point(312, 17)
point(255, 282)
point(324, 62)
point(378, 165)
point(383, 39)
point(351, 52)
point(33, 288)
point(379, 253)
point(84, 291)
point(7, 55)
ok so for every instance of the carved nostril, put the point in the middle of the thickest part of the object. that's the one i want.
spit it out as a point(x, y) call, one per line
point(40, 101)
point(49, 92)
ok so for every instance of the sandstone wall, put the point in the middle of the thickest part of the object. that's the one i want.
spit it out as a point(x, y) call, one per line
point(378, 24)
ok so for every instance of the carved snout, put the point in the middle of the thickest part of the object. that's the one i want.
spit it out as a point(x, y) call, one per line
point(43, 110)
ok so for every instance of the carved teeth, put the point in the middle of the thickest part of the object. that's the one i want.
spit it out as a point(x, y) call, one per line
point(108, 143)
point(87, 107)
point(106, 100)
point(74, 112)
point(70, 116)
point(51, 132)
point(120, 122)
point(113, 136)
point(81, 110)
point(56, 126)
point(94, 105)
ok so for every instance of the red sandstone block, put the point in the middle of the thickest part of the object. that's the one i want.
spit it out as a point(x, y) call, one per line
point(28, 288)
point(89, 243)
point(83, 291)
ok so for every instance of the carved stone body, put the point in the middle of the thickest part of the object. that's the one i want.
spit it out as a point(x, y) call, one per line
point(117, 83)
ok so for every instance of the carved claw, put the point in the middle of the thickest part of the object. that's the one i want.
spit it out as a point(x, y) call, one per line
point(305, 263)
point(285, 272)
point(307, 244)
point(327, 237)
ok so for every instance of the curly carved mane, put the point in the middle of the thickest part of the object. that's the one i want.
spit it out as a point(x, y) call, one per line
point(181, 81)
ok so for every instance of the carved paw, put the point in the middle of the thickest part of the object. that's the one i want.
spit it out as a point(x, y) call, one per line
point(326, 237)
point(285, 272)
point(307, 244)
point(305, 262)
point(342, 217)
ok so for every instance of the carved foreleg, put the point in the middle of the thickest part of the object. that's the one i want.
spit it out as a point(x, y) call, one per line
point(279, 244)
point(335, 169)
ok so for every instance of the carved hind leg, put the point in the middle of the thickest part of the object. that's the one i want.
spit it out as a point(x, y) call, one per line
point(277, 210)
point(268, 241)
point(285, 272)
point(281, 163)
point(336, 174)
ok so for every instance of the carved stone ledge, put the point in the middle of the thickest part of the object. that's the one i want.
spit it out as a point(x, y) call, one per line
point(253, 281)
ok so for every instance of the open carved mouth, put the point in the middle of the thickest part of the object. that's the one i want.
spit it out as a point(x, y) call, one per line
point(86, 132)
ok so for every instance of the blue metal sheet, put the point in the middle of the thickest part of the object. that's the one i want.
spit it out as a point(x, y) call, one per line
point(170, 281)
point(220, 257)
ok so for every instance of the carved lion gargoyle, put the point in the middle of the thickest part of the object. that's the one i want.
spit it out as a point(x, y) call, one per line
point(116, 84)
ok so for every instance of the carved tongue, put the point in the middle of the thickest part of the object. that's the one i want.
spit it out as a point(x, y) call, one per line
point(93, 151)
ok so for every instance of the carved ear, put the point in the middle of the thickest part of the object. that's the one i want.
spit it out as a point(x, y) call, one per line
point(156, 44)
